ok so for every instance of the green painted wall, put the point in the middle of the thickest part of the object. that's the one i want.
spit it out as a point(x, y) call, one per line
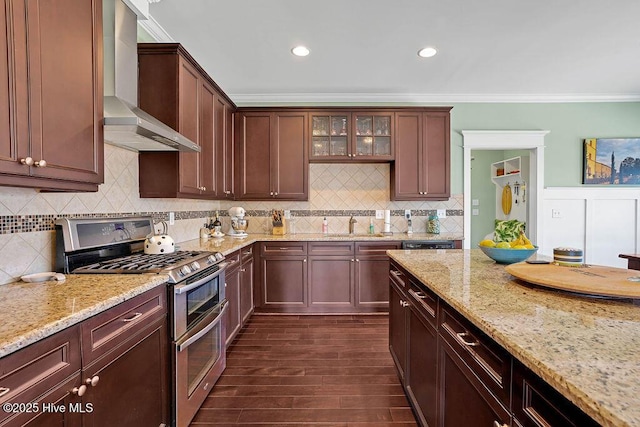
point(484, 190)
point(568, 123)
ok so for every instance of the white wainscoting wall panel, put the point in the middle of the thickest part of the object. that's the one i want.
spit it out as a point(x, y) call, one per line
point(603, 221)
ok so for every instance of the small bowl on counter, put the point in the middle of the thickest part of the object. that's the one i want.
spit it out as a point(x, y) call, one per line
point(508, 256)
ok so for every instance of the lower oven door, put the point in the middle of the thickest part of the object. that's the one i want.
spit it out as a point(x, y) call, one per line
point(199, 359)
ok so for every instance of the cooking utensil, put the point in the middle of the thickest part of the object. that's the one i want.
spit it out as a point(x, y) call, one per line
point(159, 243)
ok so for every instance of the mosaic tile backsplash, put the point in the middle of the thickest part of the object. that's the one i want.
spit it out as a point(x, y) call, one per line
point(337, 191)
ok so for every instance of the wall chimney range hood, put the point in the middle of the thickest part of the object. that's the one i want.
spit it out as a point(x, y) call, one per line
point(125, 124)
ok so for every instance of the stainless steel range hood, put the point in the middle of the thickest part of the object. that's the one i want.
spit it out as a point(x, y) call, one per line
point(125, 124)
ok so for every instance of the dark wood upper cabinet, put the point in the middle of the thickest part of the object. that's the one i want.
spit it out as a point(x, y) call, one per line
point(176, 90)
point(422, 170)
point(271, 155)
point(342, 136)
point(51, 94)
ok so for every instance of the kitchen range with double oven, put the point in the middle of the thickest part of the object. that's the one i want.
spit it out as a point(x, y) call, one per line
point(196, 294)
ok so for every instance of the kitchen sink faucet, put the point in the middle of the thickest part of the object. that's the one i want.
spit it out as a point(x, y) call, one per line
point(352, 221)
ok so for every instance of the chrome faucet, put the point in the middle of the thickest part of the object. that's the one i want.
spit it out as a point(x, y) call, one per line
point(352, 221)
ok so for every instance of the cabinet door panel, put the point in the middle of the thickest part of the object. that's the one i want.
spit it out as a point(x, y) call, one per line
point(246, 290)
point(284, 282)
point(291, 169)
point(232, 294)
point(254, 156)
point(66, 91)
point(422, 385)
point(436, 155)
point(132, 390)
point(406, 171)
point(372, 282)
point(330, 281)
point(207, 135)
point(188, 126)
point(397, 330)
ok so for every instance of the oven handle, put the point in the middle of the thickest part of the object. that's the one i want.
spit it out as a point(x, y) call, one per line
point(187, 341)
point(186, 288)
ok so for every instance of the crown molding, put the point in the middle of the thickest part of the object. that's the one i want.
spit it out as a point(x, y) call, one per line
point(272, 99)
point(155, 30)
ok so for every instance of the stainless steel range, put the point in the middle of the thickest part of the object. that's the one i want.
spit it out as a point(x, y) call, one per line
point(195, 293)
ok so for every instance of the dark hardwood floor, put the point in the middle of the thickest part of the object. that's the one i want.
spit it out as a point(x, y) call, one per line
point(310, 371)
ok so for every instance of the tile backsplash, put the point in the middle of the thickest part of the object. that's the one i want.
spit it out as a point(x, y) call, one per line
point(337, 191)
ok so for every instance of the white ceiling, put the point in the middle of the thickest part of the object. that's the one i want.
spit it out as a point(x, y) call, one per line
point(365, 50)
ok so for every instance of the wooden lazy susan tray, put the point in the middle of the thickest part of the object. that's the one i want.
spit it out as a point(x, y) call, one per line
point(595, 280)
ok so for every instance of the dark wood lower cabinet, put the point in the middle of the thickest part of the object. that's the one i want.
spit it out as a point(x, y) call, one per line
point(464, 399)
point(232, 294)
point(455, 375)
point(284, 283)
point(331, 283)
point(131, 390)
point(422, 365)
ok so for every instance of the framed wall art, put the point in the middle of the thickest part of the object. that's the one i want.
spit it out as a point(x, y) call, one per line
point(611, 161)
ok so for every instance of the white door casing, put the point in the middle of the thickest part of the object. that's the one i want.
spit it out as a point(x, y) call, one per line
point(532, 140)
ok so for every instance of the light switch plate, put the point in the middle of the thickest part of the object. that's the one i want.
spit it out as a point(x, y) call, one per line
point(172, 218)
point(379, 214)
point(287, 214)
point(442, 213)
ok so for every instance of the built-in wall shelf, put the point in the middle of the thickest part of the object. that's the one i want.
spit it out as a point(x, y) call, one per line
point(508, 170)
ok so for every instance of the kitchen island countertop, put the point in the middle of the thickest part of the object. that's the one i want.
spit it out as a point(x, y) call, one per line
point(585, 347)
point(33, 311)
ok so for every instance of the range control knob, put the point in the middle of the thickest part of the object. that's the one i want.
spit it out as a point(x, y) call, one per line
point(219, 256)
point(185, 270)
point(211, 259)
point(195, 266)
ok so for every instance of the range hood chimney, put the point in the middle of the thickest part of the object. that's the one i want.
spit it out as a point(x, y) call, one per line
point(125, 124)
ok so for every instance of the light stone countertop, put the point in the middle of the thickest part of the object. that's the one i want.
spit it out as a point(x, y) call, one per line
point(228, 244)
point(585, 347)
point(33, 311)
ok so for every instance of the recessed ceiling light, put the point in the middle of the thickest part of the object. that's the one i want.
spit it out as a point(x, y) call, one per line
point(427, 52)
point(300, 51)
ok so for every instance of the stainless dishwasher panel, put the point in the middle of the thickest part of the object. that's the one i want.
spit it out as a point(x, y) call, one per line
point(428, 244)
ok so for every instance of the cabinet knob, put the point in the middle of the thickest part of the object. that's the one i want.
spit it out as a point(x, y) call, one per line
point(27, 161)
point(41, 164)
point(243, 270)
point(271, 193)
point(403, 303)
point(275, 194)
point(79, 391)
point(227, 192)
point(304, 260)
point(93, 381)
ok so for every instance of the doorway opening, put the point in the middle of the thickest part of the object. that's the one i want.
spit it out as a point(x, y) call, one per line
point(533, 141)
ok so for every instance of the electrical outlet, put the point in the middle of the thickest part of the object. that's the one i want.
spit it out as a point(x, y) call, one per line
point(172, 218)
point(475, 202)
point(555, 213)
point(287, 214)
point(475, 212)
point(407, 213)
point(442, 213)
point(379, 214)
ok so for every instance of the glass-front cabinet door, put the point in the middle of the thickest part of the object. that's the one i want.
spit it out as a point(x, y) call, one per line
point(340, 136)
point(373, 135)
point(330, 136)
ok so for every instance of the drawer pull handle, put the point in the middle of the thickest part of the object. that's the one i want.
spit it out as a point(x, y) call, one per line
point(79, 391)
point(461, 337)
point(132, 318)
point(4, 390)
point(419, 294)
point(243, 270)
point(93, 381)
point(283, 249)
point(499, 424)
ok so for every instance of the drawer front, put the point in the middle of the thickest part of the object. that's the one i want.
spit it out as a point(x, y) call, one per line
point(375, 248)
point(246, 253)
point(283, 248)
point(115, 326)
point(489, 362)
point(536, 403)
point(31, 371)
point(331, 248)
point(425, 301)
point(398, 276)
point(233, 260)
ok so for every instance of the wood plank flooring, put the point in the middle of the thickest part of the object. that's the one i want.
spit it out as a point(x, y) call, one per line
point(330, 371)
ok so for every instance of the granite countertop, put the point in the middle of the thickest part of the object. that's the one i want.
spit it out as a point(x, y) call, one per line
point(228, 244)
point(585, 347)
point(33, 311)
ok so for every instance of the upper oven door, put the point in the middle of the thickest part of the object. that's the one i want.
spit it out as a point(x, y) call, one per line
point(195, 297)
